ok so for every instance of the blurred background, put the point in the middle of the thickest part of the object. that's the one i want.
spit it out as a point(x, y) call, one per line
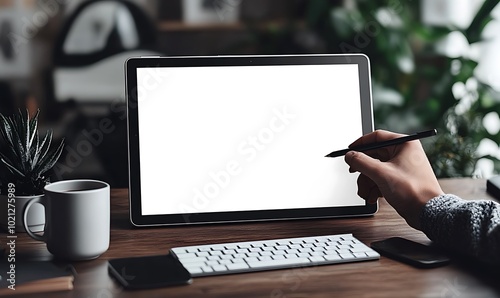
point(435, 64)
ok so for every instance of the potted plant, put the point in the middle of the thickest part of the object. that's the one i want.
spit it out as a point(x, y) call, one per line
point(25, 161)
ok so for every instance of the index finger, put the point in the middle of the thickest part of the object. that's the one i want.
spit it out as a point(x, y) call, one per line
point(375, 137)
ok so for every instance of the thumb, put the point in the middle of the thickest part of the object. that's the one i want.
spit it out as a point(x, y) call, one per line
point(366, 165)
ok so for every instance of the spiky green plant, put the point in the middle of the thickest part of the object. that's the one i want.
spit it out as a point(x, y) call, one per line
point(27, 157)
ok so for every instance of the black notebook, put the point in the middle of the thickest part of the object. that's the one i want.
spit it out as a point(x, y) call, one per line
point(24, 277)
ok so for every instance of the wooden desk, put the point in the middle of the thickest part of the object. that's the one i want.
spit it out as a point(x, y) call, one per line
point(384, 278)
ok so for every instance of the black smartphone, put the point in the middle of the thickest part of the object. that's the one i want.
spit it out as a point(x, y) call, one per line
point(149, 272)
point(410, 252)
point(493, 187)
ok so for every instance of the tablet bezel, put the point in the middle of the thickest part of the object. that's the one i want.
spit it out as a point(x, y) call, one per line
point(132, 64)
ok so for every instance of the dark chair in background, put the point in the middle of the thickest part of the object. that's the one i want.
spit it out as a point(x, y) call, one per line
point(87, 86)
point(6, 99)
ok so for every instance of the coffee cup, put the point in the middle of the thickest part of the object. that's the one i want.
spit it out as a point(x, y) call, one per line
point(77, 219)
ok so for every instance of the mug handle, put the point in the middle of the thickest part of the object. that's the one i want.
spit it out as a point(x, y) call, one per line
point(25, 218)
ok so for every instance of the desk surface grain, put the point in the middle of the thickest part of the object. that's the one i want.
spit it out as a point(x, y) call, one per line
point(383, 278)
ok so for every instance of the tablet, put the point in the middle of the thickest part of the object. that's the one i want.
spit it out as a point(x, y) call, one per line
point(244, 138)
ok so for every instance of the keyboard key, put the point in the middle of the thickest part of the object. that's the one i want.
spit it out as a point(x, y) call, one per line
point(286, 242)
point(220, 247)
point(253, 254)
point(347, 256)
point(238, 266)
point(229, 252)
point(372, 254)
point(245, 245)
point(359, 254)
point(333, 258)
point(279, 252)
point(251, 259)
point(225, 262)
point(207, 269)
point(219, 268)
point(216, 253)
point(316, 259)
point(193, 260)
point(238, 260)
point(275, 263)
point(317, 253)
point(278, 257)
point(195, 270)
point(212, 263)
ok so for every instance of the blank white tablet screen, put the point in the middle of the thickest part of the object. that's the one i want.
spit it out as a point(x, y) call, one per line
point(242, 138)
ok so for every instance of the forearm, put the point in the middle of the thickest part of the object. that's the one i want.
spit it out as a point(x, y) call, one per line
point(467, 227)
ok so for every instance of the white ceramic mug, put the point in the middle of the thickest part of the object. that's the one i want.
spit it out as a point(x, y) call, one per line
point(77, 219)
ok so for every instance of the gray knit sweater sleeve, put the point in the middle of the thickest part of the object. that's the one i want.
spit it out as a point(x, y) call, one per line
point(466, 227)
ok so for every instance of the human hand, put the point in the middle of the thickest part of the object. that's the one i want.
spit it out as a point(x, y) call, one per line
point(402, 174)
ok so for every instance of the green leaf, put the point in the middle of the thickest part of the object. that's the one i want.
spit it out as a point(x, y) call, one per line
point(35, 150)
point(12, 168)
point(49, 161)
point(482, 18)
point(26, 133)
point(431, 34)
point(33, 127)
point(44, 148)
point(5, 158)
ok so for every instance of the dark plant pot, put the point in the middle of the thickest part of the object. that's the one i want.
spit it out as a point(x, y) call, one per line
point(36, 214)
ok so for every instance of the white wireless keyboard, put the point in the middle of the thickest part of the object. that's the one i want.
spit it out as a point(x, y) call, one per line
point(239, 257)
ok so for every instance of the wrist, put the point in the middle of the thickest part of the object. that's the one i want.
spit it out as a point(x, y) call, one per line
point(418, 205)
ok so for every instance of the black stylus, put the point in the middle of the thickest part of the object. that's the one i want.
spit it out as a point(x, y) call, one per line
point(396, 141)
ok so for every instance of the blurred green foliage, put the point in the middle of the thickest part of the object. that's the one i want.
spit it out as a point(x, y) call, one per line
point(412, 79)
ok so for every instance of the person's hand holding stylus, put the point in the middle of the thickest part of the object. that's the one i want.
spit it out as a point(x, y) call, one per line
point(400, 173)
point(380, 144)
